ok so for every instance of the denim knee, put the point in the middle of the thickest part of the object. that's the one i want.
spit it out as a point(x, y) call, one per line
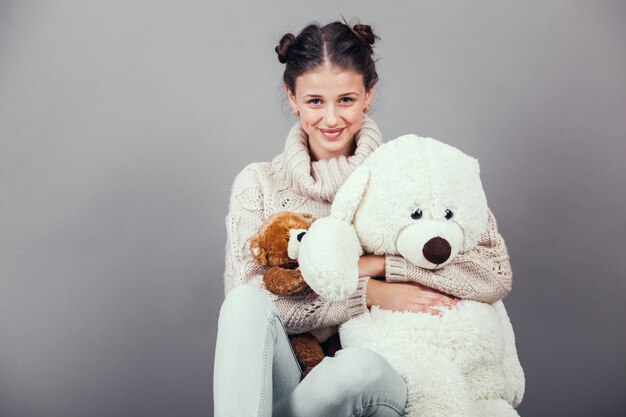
point(246, 302)
point(365, 373)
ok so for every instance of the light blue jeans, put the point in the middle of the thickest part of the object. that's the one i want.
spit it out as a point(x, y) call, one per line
point(256, 373)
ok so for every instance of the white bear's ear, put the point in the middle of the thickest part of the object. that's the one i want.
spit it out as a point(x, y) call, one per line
point(349, 196)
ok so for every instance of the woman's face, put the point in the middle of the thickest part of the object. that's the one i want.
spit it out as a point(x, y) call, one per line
point(331, 102)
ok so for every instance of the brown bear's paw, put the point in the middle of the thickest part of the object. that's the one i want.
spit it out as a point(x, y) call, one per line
point(281, 281)
point(307, 350)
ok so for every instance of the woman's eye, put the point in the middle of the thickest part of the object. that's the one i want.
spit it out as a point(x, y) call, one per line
point(346, 100)
point(417, 214)
point(449, 214)
point(314, 101)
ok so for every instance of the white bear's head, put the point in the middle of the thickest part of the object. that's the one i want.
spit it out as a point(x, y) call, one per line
point(416, 197)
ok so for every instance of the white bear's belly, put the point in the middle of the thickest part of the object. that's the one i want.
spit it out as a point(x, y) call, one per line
point(467, 341)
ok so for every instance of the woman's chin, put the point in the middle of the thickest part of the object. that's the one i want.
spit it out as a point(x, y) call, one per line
point(325, 149)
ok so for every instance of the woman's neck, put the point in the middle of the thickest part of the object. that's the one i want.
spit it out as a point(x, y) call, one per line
point(319, 179)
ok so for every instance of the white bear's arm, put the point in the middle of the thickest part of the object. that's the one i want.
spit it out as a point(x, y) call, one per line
point(514, 374)
point(245, 214)
point(329, 258)
point(480, 274)
point(329, 252)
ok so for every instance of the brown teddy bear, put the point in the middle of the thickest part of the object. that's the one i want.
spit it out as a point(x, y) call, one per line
point(277, 239)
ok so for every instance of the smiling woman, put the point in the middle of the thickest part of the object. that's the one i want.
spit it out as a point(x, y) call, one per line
point(331, 102)
point(329, 77)
point(329, 80)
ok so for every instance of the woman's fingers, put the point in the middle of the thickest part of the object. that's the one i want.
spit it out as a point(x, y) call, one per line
point(420, 308)
point(435, 297)
point(416, 307)
point(427, 301)
point(432, 302)
point(431, 298)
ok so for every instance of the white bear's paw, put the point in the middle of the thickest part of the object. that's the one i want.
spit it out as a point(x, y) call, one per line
point(329, 258)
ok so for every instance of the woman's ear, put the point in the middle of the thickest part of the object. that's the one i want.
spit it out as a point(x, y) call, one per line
point(292, 98)
point(368, 97)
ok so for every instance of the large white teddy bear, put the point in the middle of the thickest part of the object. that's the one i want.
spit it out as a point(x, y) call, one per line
point(422, 199)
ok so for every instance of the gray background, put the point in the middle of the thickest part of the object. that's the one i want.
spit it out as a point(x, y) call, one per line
point(123, 124)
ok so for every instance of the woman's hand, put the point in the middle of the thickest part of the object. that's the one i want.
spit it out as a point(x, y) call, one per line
point(406, 296)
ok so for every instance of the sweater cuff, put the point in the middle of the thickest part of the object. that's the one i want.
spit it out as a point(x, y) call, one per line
point(356, 303)
point(395, 268)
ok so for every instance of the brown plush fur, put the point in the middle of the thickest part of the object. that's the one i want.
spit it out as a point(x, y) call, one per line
point(282, 281)
point(307, 350)
point(269, 247)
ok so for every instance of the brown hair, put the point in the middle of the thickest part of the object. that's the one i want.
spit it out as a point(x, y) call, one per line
point(338, 44)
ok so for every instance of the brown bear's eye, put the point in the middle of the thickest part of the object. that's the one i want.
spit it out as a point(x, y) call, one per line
point(449, 214)
point(417, 214)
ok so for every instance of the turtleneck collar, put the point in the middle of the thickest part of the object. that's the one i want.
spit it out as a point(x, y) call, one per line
point(321, 179)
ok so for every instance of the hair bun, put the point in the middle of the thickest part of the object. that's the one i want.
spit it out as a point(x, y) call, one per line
point(365, 32)
point(282, 49)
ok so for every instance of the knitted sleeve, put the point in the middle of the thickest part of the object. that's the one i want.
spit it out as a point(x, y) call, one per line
point(298, 313)
point(481, 274)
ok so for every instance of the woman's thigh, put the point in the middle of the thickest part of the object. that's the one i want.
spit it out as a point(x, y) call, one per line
point(254, 364)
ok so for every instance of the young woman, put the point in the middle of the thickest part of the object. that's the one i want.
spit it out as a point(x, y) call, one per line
point(329, 80)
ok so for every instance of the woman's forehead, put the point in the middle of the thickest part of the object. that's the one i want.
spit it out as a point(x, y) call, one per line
point(329, 81)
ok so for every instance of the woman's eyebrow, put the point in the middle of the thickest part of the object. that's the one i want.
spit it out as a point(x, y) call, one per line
point(340, 95)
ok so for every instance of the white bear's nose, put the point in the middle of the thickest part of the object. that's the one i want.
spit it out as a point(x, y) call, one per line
point(437, 250)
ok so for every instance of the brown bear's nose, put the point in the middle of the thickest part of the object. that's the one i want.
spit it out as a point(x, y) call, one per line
point(437, 250)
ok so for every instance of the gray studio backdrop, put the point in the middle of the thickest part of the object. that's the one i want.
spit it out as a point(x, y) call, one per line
point(123, 124)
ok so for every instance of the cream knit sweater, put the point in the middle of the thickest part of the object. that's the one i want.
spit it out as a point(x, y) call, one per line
point(293, 182)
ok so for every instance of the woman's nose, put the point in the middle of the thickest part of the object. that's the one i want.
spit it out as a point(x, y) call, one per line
point(331, 116)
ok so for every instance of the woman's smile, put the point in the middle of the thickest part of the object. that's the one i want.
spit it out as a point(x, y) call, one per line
point(331, 102)
point(332, 134)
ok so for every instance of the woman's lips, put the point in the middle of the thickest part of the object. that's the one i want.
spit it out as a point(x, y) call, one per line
point(332, 134)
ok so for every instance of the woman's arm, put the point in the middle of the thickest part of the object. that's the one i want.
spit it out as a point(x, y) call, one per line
point(400, 296)
point(298, 313)
point(481, 274)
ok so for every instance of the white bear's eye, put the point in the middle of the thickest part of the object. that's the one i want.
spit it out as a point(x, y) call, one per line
point(417, 214)
point(449, 214)
point(293, 247)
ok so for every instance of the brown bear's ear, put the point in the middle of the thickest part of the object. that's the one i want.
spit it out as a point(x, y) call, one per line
point(308, 218)
point(257, 252)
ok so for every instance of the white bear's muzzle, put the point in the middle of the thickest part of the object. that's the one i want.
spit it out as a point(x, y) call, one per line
point(430, 244)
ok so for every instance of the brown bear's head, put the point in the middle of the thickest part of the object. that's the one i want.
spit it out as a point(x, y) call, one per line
point(270, 245)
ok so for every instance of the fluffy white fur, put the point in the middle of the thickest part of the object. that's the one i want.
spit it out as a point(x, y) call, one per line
point(463, 363)
point(377, 200)
point(335, 240)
